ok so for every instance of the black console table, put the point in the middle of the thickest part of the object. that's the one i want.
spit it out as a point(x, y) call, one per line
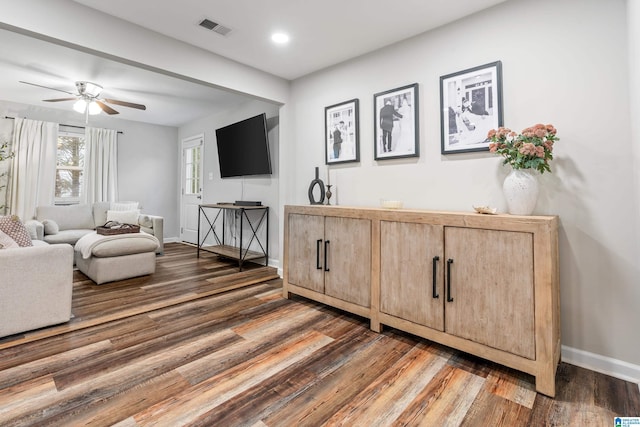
point(239, 253)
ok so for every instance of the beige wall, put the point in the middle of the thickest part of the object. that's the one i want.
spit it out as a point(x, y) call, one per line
point(564, 62)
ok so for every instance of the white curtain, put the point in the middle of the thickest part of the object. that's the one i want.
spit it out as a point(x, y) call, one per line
point(101, 165)
point(33, 170)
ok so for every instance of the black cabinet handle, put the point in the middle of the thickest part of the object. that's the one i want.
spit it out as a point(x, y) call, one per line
point(449, 262)
point(326, 252)
point(318, 243)
point(435, 276)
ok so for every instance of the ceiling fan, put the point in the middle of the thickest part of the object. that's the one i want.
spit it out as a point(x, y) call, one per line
point(87, 99)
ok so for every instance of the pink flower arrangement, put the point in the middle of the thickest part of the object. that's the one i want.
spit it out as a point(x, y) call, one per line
point(531, 149)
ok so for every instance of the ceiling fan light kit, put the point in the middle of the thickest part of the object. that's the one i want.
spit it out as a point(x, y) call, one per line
point(81, 107)
point(87, 99)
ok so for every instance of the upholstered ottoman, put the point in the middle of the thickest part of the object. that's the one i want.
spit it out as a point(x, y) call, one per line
point(117, 257)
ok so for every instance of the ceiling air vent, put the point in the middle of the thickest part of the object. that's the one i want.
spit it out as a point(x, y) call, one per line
point(214, 26)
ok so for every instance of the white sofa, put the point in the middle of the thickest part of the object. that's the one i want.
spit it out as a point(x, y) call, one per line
point(36, 287)
point(75, 221)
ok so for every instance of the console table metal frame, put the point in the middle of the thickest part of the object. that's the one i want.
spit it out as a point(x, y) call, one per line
point(239, 253)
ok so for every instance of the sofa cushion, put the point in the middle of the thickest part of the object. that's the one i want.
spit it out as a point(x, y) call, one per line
point(115, 245)
point(124, 206)
point(124, 247)
point(100, 212)
point(124, 217)
point(71, 217)
point(66, 236)
point(6, 241)
point(33, 227)
point(50, 226)
point(14, 228)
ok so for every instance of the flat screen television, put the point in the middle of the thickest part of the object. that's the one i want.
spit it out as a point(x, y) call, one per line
point(243, 148)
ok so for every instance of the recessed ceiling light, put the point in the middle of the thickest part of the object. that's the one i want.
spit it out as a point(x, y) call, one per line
point(280, 38)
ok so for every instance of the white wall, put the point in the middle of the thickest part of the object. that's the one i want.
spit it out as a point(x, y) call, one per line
point(565, 63)
point(146, 158)
point(633, 25)
point(261, 188)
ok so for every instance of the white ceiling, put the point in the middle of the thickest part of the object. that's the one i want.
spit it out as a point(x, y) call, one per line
point(169, 101)
point(323, 33)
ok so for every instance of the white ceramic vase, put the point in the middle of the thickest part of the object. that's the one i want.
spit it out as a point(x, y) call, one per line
point(520, 189)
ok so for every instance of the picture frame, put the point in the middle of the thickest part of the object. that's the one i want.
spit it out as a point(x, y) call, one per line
point(470, 106)
point(342, 132)
point(396, 130)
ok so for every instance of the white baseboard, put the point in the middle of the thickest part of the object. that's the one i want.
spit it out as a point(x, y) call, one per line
point(605, 365)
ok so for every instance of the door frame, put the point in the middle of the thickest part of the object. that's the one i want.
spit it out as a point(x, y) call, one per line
point(189, 142)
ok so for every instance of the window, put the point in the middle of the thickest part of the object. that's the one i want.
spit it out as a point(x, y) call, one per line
point(69, 168)
point(192, 170)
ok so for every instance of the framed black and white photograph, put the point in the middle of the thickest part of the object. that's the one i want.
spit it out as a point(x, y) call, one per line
point(470, 106)
point(396, 123)
point(342, 134)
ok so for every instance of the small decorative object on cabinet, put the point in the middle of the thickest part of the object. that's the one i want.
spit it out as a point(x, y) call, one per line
point(320, 184)
point(520, 190)
point(483, 284)
point(527, 153)
point(329, 194)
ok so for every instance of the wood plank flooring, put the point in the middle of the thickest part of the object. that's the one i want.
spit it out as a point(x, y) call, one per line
point(181, 348)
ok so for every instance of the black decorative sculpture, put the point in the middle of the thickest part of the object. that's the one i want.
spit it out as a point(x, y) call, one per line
point(320, 183)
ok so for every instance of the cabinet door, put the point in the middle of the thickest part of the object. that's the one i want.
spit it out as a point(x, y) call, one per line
point(305, 251)
point(409, 289)
point(492, 288)
point(348, 259)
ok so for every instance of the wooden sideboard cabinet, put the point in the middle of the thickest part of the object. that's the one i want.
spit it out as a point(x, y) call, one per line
point(329, 259)
point(483, 284)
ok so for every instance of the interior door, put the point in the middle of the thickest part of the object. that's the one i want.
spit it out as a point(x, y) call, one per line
point(191, 195)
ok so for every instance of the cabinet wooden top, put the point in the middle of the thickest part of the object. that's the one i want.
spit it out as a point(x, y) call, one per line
point(447, 218)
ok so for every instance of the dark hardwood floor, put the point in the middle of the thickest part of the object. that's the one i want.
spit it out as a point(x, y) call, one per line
point(199, 344)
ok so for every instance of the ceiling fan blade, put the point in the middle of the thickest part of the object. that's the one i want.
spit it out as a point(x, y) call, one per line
point(59, 99)
point(106, 108)
point(125, 104)
point(47, 87)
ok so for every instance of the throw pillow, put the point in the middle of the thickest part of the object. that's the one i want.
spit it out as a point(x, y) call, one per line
point(145, 221)
point(7, 242)
point(124, 206)
point(50, 226)
point(14, 228)
point(123, 217)
point(71, 217)
point(32, 229)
